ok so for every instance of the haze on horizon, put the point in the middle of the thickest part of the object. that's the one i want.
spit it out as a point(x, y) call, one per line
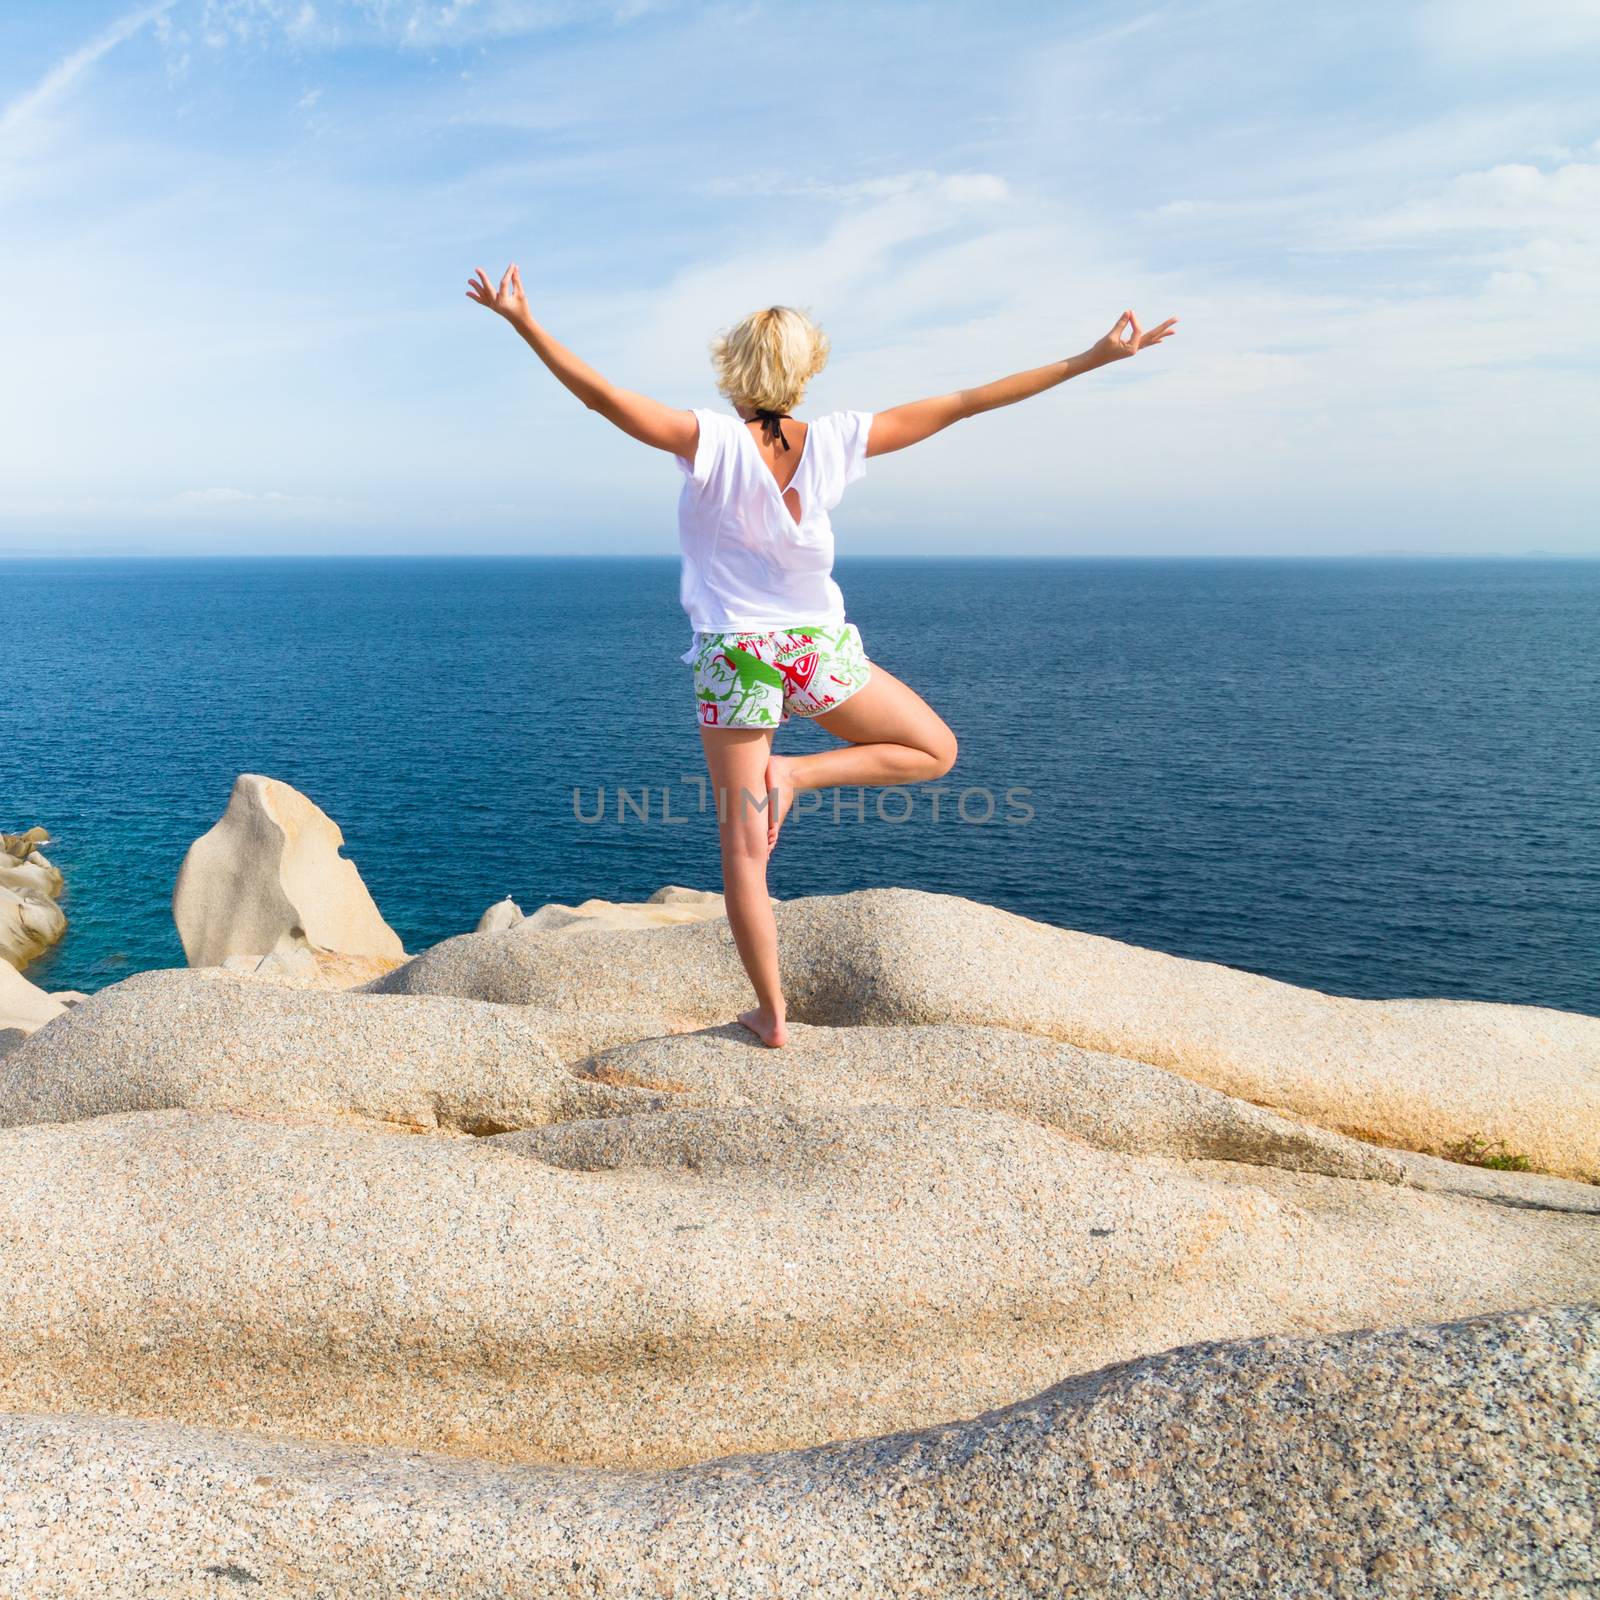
point(236, 234)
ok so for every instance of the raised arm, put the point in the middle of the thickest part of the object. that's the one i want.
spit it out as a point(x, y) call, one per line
point(640, 417)
point(911, 424)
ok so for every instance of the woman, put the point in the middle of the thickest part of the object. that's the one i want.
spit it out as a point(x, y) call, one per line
point(771, 638)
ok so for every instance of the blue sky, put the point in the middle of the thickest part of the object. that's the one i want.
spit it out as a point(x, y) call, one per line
point(236, 232)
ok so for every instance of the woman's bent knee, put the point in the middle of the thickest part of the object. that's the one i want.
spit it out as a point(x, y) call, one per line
point(942, 753)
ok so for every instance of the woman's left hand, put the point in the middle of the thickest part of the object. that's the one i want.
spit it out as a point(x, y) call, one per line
point(508, 299)
point(1128, 338)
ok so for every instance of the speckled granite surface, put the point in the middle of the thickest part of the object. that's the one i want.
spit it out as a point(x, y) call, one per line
point(1413, 1073)
point(1103, 1100)
point(664, 1287)
point(254, 1265)
point(210, 1041)
point(1444, 1463)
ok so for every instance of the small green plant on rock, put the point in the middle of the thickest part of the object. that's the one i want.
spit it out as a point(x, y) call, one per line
point(1473, 1151)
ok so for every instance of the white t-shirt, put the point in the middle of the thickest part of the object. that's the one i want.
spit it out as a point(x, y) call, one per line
point(748, 566)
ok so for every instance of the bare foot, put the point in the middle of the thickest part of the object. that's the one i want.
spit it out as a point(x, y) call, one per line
point(780, 793)
point(766, 1027)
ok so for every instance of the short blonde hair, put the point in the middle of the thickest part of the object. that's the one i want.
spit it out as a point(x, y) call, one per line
point(767, 360)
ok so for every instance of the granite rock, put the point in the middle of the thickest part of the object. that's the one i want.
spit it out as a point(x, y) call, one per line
point(297, 966)
point(1417, 1074)
point(666, 908)
point(269, 877)
point(501, 915)
point(1104, 1100)
point(24, 1007)
point(670, 1286)
point(30, 919)
point(207, 1041)
point(1440, 1463)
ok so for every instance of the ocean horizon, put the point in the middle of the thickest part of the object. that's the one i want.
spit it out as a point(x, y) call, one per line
point(1368, 775)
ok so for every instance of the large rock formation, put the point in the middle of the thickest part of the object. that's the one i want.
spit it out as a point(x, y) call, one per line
point(664, 1287)
point(30, 919)
point(268, 879)
point(254, 1263)
point(1419, 1074)
point(1419, 1464)
point(202, 1041)
point(208, 1041)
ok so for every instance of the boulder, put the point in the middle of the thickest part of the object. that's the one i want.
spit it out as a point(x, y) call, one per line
point(268, 878)
point(29, 925)
point(30, 919)
point(23, 1008)
point(501, 915)
point(208, 1042)
point(1454, 1460)
point(669, 1286)
point(29, 872)
point(1417, 1074)
point(666, 908)
point(1103, 1100)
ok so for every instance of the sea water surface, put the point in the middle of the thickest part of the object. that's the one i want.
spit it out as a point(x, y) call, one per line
point(1374, 777)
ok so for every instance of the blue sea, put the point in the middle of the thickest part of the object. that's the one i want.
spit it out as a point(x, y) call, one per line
point(1374, 777)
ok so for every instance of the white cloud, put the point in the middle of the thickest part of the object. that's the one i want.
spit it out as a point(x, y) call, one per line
point(1525, 230)
point(1511, 198)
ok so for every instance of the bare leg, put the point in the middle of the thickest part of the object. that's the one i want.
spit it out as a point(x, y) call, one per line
point(893, 736)
point(737, 759)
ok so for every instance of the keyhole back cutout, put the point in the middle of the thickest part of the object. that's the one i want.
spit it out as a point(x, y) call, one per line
point(789, 496)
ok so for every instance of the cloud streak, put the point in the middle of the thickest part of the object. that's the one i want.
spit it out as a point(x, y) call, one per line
point(24, 111)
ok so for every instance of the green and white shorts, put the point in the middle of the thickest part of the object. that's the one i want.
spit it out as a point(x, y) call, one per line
point(759, 680)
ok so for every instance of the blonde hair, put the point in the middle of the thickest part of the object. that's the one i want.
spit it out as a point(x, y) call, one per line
point(767, 360)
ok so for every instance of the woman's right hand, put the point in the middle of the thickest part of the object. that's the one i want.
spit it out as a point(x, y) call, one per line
point(508, 299)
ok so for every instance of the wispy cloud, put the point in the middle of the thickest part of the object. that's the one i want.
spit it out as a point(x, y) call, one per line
point(24, 111)
point(405, 23)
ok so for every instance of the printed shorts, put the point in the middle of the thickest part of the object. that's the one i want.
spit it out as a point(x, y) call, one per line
point(759, 680)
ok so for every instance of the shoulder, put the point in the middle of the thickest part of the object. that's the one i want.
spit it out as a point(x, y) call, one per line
point(844, 427)
point(711, 444)
point(840, 442)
